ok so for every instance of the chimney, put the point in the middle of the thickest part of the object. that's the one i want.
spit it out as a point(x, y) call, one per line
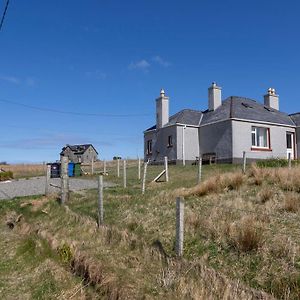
point(162, 110)
point(214, 96)
point(271, 99)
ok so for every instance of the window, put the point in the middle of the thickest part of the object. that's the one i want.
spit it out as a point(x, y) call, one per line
point(289, 143)
point(260, 137)
point(149, 147)
point(170, 142)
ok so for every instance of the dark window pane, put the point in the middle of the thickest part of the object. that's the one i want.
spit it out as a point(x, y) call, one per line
point(289, 141)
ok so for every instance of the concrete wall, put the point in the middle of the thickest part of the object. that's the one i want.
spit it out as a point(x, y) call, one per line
point(242, 141)
point(191, 143)
point(160, 147)
point(217, 138)
point(298, 142)
point(89, 155)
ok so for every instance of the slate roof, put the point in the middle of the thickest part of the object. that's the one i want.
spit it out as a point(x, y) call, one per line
point(296, 118)
point(185, 116)
point(78, 149)
point(233, 107)
point(247, 109)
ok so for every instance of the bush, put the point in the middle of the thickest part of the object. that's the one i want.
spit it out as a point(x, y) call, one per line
point(272, 163)
point(6, 175)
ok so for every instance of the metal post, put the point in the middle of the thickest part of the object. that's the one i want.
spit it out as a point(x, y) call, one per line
point(144, 177)
point(179, 225)
point(92, 166)
point(166, 168)
point(64, 180)
point(199, 170)
point(139, 168)
point(48, 175)
point(118, 167)
point(100, 201)
point(290, 160)
point(244, 161)
point(104, 167)
point(124, 174)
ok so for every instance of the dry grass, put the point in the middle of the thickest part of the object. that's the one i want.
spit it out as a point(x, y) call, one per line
point(291, 202)
point(25, 170)
point(232, 240)
point(216, 184)
point(246, 234)
point(177, 279)
point(266, 194)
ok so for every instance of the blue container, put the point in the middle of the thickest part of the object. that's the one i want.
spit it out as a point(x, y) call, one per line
point(71, 169)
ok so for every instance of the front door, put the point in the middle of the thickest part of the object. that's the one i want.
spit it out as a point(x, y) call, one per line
point(290, 145)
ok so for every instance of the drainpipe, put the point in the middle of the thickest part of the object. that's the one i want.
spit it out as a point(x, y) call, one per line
point(183, 145)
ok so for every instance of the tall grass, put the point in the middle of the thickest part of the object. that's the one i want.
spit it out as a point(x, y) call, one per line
point(25, 170)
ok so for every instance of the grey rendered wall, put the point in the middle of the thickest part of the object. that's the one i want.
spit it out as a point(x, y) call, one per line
point(217, 138)
point(298, 141)
point(191, 143)
point(160, 147)
point(242, 141)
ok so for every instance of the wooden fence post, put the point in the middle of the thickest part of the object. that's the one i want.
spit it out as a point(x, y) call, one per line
point(244, 161)
point(104, 167)
point(64, 179)
point(144, 177)
point(166, 168)
point(179, 225)
point(139, 168)
point(124, 174)
point(48, 175)
point(199, 170)
point(100, 201)
point(118, 167)
point(290, 161)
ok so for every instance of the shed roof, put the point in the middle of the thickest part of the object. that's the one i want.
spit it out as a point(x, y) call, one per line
point(78, 149)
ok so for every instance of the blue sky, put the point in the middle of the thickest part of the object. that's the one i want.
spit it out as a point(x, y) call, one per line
point(112, 57)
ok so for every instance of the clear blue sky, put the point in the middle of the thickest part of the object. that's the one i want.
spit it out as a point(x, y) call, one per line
point(112, 57)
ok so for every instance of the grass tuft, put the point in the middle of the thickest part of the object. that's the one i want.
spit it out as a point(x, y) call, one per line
point(291, 203)
point(246, 234)
point(265, 195)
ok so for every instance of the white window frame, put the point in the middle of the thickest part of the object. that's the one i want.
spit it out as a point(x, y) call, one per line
point(258, 142)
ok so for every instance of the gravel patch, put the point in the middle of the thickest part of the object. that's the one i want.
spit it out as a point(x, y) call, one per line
point(36, 186)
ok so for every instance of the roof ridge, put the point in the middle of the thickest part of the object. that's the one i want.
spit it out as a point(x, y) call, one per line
point(242, 98)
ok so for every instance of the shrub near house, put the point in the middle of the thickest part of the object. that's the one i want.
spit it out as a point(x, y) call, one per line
point(6, 175)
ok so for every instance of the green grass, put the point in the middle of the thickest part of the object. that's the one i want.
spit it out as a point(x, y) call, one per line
point(216, 226)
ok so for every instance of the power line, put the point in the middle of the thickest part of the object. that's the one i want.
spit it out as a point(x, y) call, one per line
point(72, 112)
point(4, 13)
